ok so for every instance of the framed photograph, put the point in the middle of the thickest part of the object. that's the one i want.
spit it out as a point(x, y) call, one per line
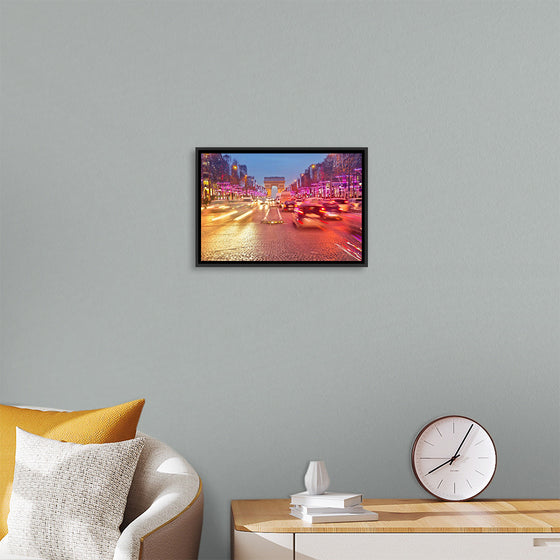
point(281, 206)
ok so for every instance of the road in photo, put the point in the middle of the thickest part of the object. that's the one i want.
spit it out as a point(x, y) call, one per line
point(255, 230)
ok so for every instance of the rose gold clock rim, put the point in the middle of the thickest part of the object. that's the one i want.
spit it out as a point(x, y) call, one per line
point(423, 431)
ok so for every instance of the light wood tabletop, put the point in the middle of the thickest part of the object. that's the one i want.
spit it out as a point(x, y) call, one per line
point(409, 516)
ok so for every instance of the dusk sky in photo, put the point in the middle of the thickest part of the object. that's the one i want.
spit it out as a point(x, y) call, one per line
point(289, 166)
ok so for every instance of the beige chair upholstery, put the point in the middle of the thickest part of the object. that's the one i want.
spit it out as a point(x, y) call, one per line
point(163, 516)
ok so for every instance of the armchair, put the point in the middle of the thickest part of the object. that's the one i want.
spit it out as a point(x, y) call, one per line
point(163, 516)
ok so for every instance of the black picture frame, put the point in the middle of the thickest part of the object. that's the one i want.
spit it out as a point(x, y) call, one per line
point(228, 202)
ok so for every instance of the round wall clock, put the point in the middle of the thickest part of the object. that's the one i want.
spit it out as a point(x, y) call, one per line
point(454, 458)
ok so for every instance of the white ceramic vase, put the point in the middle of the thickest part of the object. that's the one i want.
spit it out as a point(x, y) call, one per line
point(316, 478)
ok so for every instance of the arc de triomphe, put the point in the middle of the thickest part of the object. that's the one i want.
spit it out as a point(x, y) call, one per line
point(271, 182)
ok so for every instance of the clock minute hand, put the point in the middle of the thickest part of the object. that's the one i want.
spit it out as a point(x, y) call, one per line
point(461, 445)
point(443, 464)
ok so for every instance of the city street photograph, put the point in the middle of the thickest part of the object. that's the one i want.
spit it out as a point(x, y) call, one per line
point(282, 206)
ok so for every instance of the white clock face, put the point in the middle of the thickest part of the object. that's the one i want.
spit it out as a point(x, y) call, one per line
point(454, 458)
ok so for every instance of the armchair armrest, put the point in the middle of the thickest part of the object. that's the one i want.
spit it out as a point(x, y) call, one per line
point(178, 538)
point(163, 517)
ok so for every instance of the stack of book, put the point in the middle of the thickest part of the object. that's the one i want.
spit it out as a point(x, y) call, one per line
point(330, 507)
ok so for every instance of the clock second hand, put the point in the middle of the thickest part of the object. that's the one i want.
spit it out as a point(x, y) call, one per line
point(455, 456)
point(443, 464)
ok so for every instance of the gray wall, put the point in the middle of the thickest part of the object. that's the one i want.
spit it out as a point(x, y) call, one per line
point(251, 372)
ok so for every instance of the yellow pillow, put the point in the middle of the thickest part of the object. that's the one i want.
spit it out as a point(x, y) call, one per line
point(104, 425)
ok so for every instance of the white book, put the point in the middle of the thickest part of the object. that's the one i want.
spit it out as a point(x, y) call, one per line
point(312, 510)
point(328, 499)
point(364, 515)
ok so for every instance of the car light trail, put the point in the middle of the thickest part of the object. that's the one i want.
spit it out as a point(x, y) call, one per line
point(245, 215)
point(224, 216)
point(358, 249)
point(349, 252)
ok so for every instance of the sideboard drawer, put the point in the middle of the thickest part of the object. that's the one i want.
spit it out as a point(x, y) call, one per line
point(427, 546)
point(261, 546)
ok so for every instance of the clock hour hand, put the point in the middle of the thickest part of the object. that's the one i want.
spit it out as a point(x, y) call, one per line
point(443, 464)
point(461, 445)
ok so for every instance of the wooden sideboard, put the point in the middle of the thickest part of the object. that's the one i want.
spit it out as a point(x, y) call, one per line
point(406, 529)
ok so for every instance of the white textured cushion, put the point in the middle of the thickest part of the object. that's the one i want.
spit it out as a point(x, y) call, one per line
point(68, 499)
point(17, 557)
point(5, 555)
